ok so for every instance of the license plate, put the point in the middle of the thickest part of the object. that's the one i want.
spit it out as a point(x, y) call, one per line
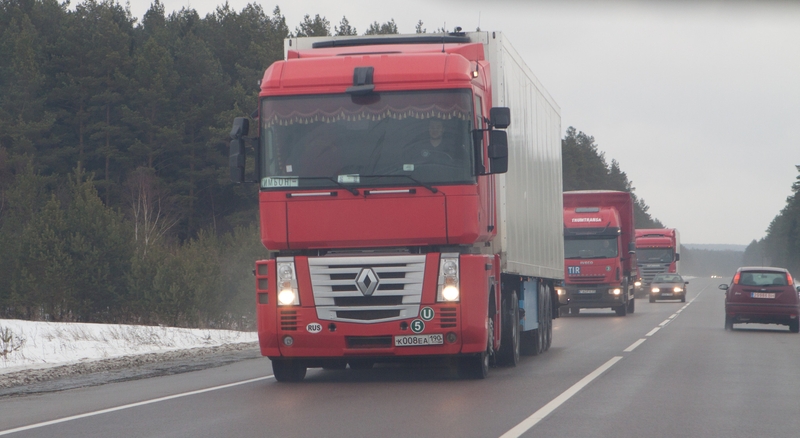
point(586, 291)
point(418, 340)
point(768, 295)
point(666, 294)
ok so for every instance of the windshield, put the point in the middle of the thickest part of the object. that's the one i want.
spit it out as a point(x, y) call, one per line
point(667, 279)
point(654, 255)
point(590, 248)
point(763, 279)
point(326, 141)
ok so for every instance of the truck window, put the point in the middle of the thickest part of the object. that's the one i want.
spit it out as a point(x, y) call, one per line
point(378, 139)
point(590, 248)
point(654, 255)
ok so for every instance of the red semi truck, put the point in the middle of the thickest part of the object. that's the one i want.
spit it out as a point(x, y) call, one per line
point(599, 251)
point(402, 219)
point(658, 251)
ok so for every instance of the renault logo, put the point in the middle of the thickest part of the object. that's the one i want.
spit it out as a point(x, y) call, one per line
point(367, 281)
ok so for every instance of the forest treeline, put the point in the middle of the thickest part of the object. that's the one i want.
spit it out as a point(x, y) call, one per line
point(781, 246)
point(115, 200)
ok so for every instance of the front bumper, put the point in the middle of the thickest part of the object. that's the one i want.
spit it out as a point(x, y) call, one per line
point(301, 334)
point(579, 297)
point(668, 295)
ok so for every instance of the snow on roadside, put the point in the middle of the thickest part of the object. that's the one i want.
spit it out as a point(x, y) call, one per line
point(35, 344)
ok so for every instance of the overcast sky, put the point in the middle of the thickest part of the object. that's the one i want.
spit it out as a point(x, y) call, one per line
point(698, 101)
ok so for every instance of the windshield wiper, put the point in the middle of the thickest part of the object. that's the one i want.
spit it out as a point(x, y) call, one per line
point(418, 182)
point(329, 178)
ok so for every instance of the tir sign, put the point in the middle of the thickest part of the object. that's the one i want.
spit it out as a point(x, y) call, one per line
point(574, 270)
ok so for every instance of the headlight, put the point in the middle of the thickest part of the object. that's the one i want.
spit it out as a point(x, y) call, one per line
point(677, 289)
point(287, 283)
point(448, 287)
point(655, 290)
point(637, 283)
point(560, 291)
point(616, 291)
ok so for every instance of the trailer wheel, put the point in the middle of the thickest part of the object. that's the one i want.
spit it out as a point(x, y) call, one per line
point(510, 342)
point(287, 370)
point(728, 323)
point(477, 366)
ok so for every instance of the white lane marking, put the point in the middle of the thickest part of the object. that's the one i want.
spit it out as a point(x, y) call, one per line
point(673, 315)
point(634, 345)
point(679, 311)
point(666, 321)
point(545, 410)
point(128, 406)
point(652, 332)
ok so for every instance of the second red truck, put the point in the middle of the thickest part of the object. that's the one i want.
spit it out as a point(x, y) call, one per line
point(599, 251)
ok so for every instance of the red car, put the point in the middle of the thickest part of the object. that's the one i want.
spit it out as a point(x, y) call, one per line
point(762, 295)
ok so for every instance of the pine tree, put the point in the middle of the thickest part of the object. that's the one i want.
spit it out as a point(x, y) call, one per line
point(390, 27)
point(344, 28)
point(318, 26)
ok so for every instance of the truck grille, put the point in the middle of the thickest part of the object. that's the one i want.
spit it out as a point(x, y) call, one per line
point(649, 272)
point(368, 341)
point(339, 297)
point(448, 317)
point(593, 279)
point(288, 320)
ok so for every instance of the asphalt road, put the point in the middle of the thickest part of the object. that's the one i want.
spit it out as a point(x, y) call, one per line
point(670, 369)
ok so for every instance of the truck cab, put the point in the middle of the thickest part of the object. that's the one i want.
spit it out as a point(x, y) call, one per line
point(658, 252)
point(598, 259)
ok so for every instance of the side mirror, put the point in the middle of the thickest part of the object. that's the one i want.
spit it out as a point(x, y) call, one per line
point(686, 282)
point(677, 256)
point(500, 117)
point(241, 127)
point(798, 288)
point(498, 151)
point(632, 248)
point(723, 286)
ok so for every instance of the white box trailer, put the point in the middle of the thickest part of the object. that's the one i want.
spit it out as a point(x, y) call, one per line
point(530, 220)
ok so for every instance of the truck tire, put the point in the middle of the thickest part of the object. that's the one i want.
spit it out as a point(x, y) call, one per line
point(621, 310)
point(575, 310)
point(728, 323)
point(287, 370)
point(631, 305)
point(794, 326)
point(477, 366)
point(510, 342)
point(652, 299)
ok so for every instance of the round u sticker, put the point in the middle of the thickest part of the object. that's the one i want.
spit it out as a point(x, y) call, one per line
point(426, 313)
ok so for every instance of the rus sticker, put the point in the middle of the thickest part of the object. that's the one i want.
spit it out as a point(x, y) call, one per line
point(314, 327)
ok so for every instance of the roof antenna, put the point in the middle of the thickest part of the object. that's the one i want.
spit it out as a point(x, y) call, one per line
point(444, 32)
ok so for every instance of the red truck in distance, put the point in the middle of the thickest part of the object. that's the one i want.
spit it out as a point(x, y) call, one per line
point(658, 251)
point(401, 219)
point(599, 256)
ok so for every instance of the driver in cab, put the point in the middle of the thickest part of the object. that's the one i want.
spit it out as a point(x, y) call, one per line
point(435, 148)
